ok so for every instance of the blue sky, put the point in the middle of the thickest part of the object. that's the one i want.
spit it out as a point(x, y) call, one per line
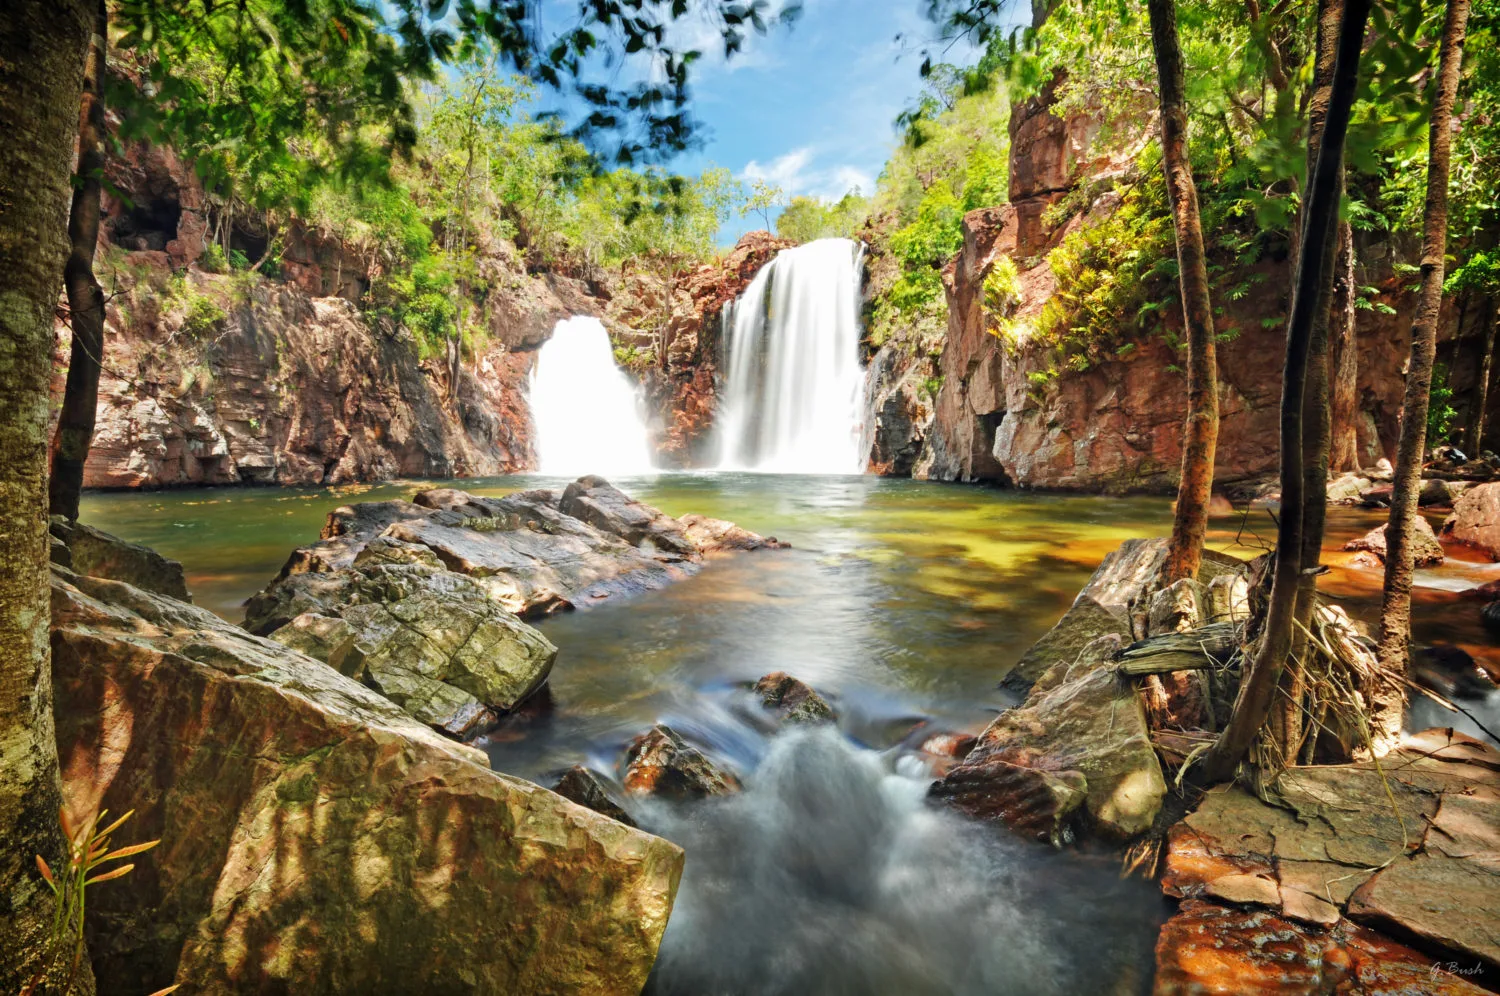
point(810, 108)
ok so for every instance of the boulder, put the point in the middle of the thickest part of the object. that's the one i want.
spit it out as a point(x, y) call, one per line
point(1209, 948)
point(1413, 853)
point(314, 837)
point(1080, 719)
point(1346, 490)
point(662, 764)
point(588, 788)
point(1451, 672)
point(1427, 551)
point(791, 700)
point(1475, 521)
point(97, 554)
point(595, 501)
point(715, 536)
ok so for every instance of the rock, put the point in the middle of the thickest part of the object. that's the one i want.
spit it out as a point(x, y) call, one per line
point(314, 837)
point(1411, 851)
point(1209, 948)
point(947, 744)
point(714, 536)
point(791, 700)
point(1177, 608)
point(1452, 672)
point(325, 638)
point(1490, 616)
point(1079, 717)
point(1435, 492)
point(1347, 489)
point(587, 788)
point(1377, 496)
point(661, 763)
point(1229, 599)
point(1034, 801)
point(97, 554)
point(898, 385)
point(1487, 592)
point(1475, 521)
point(595, 501)
point(1084, 622)
point(1427, 551)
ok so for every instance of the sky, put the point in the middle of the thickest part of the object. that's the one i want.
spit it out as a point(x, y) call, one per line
point(810, 108)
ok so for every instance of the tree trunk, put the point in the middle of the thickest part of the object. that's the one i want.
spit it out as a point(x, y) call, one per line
point(1343, 454)
point(1263, 671)
point(42, 47)
point(1395, 604)
point(1200, 432)
point(75, 423)
point(1482, 395)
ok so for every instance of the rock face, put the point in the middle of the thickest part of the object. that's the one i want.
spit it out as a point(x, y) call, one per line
point(899, 401)
point(1427, 551)
point(1475, 521)
point(660, 763)
point(98, 554)
point(419, 599)
point(1334, 845)
point(317, 839)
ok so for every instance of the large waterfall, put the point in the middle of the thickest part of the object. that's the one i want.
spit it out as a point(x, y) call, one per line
point(793, 388)
point(587, 417)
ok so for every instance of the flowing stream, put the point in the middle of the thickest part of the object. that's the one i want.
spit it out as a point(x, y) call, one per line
point(793, 386)
point(903, 602)
point(587, 415)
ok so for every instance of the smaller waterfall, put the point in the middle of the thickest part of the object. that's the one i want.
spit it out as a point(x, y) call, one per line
point(587, 417)
point(793, 389)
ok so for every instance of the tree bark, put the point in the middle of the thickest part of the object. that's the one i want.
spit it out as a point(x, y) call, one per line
point(1343, 455)
point(42, 44)
point(1263, 671)
point(75, 423)
point(1395, 604)
point(1200, 432)
point(1482, 395)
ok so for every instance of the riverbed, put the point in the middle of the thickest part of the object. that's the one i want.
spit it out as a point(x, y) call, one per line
point(904, 603)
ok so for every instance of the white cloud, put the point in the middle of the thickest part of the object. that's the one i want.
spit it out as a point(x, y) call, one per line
point(796, 174)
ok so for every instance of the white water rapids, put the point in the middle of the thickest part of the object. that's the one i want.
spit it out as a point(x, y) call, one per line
point(587, 415)
point(793, 387)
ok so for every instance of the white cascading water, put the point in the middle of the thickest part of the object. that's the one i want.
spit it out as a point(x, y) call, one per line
point(588, 420)
point(793, 391)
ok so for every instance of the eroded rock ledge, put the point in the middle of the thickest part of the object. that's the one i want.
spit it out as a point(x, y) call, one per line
point(423, 600)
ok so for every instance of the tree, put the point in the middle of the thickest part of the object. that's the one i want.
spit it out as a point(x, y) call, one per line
point(1262, 672)
point(75, 421)
point(764, 198)
point(42, 47)
point(1200, 431)
point(1395, 606)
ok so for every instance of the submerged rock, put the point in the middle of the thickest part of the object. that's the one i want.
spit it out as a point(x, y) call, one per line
point(791, 700)
point(661, 763)
point(1426, 550)
point(96, 553)
point(588, 788)
point(315, 838)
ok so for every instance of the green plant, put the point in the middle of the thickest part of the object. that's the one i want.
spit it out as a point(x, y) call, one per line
point(238, 260)
point(212, 260)
point(202, 315)
point(1441, 415)
point(87, 850)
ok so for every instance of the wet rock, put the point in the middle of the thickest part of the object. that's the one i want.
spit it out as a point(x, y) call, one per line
point(1011, 788)
point(1080, 717)
point(661, 763)
point(1407, 845)
point(1452, 672)
point(1427, 551)
point(315, 837)
point(712, 536)
point(946, 744)
point(600, 504)
point(792, 700)
point(97, 554)
point(900, 411)
point(1346, 490)
point(1490, 616)
point(1209, 948)
point(1475, 521)
point(588, 788)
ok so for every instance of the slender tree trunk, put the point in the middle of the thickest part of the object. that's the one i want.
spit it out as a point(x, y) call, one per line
point(1263, 671)
point(75, 423)
point(1200, 432)
point(1482, 396)
point(42, 46)
point(1344, 361)
point(1395, 605)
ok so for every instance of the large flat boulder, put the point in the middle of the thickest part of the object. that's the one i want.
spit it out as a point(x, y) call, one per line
point(1082, 732)
point(1409, 845)
point(1426, 550)
point(1475, 521)
point(99, 554)
point(315, 838)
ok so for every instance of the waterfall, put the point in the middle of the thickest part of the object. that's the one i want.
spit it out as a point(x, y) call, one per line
point(587, 417)
point(793, 388)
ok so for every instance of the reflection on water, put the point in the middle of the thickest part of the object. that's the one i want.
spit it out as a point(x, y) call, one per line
point(901, 602)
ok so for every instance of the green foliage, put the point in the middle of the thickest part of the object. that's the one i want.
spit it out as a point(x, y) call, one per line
point(213, 260)
point(763, 199)
point(421, 299)
point(807, 219)
point(201, 314)
point(1441, 415)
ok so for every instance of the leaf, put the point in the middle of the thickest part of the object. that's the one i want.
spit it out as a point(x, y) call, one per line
point(41, 864)
point(119, 872)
